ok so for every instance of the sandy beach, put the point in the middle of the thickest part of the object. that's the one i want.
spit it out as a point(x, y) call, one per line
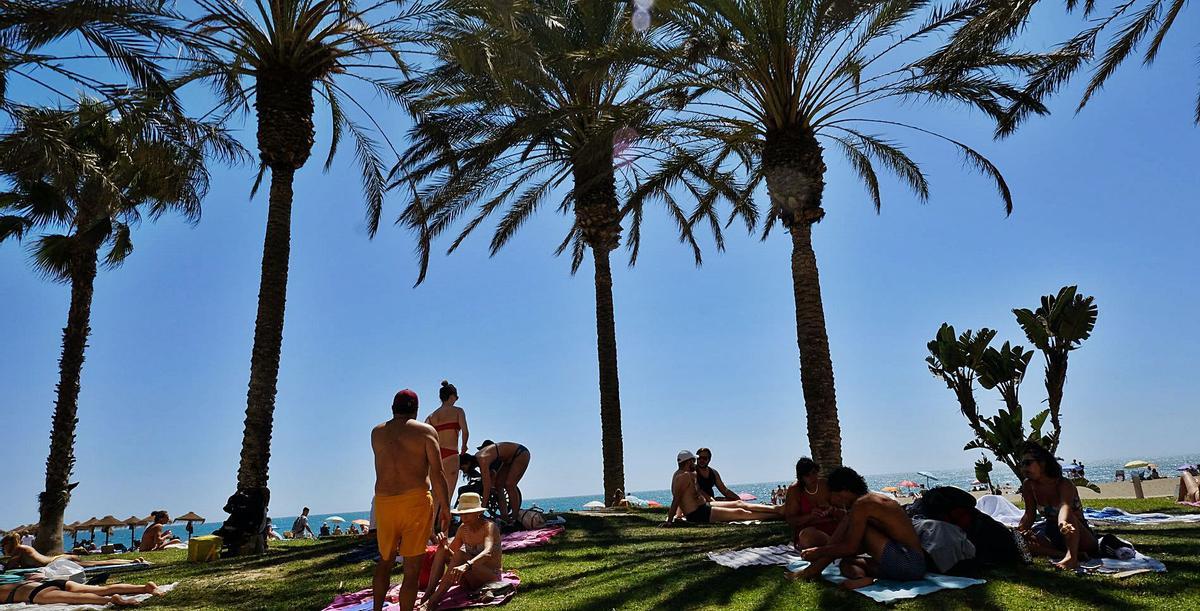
point(1167, 486)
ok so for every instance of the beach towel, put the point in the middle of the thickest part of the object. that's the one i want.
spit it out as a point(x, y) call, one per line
point(1114, 567)
point(756, 556)
point(1118, 516)
point(885, 591)
point(1000, 509)
point(1191, 503)
point(528, 538)
point(455, 598)
point(63, 607)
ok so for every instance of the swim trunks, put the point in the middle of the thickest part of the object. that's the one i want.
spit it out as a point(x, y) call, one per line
point(901, 563)
point(700, 515)
point(404, 520)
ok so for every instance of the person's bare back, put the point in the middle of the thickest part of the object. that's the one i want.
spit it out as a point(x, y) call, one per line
point(404, 451)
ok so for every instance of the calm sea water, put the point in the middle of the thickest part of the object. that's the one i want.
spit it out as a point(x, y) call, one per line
point(1097, 471)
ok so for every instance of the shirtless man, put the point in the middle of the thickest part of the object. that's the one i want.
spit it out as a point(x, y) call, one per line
point(406, 461)
point(688, 500)
point(876, 525)
point(156, 537)
point(21, 556)
point(474, 556)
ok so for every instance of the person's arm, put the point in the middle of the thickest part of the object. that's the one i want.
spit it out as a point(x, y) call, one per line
point(847, 545)
point(489, 543)
point(726, 493)
point(1030, 510)
point(462, 421)
point(28, 552)
point(1069, 496)
point(674, 503)
point(437, 476)
point(791, 511)
point(485, 474)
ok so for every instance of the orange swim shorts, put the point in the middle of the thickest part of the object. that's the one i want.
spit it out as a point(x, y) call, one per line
point(403, 520)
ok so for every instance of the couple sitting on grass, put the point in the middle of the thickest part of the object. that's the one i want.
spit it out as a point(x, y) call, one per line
point(689, 500)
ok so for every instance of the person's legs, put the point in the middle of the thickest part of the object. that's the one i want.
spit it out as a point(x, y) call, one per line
point(811, 537)
point(516, 470)
point(412, 575)
point(1079, 543)
point(450, 467)
point(113, 588)
point(733, 514)
point(438, 586)
point(381, 582)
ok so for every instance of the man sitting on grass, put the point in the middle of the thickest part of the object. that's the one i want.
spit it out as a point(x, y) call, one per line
point(473, 557)
point(876, 525)
point(688, 500)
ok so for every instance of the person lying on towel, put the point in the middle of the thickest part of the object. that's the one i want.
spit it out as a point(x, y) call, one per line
point(688, 500)
point(25, 557)
point(63, 592)
point(876, 525)
point(474, 555)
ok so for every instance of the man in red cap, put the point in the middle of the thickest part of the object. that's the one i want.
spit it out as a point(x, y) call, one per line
point(406, 460)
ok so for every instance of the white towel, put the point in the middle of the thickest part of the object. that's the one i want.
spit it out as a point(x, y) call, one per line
point(756, 556)
point(65, 607)
point(1000, 509)
point(1112, 565)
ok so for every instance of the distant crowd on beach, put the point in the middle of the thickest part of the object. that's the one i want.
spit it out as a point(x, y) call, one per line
point(835, 518)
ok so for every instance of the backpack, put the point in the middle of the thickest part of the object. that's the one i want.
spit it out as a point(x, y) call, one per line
point(532, 518)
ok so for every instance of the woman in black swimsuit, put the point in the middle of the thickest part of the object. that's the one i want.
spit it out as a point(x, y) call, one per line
point(501, 465)
point(61, 591)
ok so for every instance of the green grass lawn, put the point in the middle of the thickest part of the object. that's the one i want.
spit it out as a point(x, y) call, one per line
point(628, 562)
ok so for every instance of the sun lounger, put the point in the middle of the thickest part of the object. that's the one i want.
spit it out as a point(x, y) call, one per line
point(456, 597)
point(885, 591)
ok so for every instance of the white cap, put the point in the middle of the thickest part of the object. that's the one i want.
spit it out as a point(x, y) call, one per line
point(685, 455)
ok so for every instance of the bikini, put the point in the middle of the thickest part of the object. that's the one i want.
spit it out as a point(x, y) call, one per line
point(448, 426)
point(500, 463)
point(827, 525)
point(60, 584)
point(1048, 529)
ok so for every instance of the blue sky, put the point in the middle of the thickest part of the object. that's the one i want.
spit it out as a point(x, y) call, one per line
point(1105, 199)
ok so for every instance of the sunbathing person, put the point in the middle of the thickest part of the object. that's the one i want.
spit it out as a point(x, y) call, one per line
point(21, 556)
point(1189, 487)
point(156, 536)
point(500, 465)
point(688, 500)
point(1063, 529)
point(450, 422)
point(474, 555)
point(709, 479)
point(876, 525)
point(64, 592)
point(806, 507)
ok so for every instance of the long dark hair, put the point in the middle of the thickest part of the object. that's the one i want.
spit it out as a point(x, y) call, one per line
point(804, 466)
point(1050, 465)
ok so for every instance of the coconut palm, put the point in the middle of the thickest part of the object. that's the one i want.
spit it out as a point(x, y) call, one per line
point(524, 98)
point(131, 173)
point(279, 55)
point(776, 81)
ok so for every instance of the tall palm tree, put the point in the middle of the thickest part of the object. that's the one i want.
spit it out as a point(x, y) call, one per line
point(775, 81)
point(131, 173)
point(279, 55)
point(544, 100)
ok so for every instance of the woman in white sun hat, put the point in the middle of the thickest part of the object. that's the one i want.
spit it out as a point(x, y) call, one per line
point(473, 555)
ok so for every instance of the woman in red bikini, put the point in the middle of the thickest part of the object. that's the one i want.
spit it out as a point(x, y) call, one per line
point(449, 420)
point(807, 508)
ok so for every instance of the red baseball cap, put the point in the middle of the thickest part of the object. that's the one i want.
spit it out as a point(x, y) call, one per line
point(405, 401)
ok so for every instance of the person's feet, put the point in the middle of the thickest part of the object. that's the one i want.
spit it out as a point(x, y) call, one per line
point(153, 589)
point(120, 601)
point(1068, 563)
point(808, 573)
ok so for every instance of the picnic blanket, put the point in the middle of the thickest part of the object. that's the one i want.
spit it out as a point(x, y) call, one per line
point(756, 556)
point(65, 607)
point(885, 591)
point(455, 598)
point(1112, 514)
point(1114, 567)
point(528, 538)
point(1000, 509)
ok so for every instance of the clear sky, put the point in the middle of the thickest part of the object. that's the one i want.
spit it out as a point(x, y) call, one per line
point(1105, 199)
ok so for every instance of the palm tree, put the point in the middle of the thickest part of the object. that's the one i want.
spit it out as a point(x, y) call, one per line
point(278, 54)
point(131, 173)
point(776, 81)
point(525, 98)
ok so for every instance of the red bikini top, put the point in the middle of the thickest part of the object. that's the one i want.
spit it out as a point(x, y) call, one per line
point(447, 426)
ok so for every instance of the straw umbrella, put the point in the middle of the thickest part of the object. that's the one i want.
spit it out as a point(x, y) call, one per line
point(72, 528)
point(133, 522)
point(90, 526)
point(108, 523)
point(189, 517)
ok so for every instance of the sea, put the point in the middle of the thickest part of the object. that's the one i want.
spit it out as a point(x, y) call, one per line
point(1097, 471)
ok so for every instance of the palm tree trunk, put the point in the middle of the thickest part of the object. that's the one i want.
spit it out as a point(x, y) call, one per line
point(52, 503)
point(612, 443)
point(816, 365)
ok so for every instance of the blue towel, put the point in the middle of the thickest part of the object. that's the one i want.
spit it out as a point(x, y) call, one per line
point(1112, 514)
point(885, 591)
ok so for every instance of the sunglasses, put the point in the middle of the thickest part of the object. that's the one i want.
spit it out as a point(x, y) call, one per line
point(1027, 462)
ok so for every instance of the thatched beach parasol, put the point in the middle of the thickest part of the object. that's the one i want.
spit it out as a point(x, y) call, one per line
point(190, 517)
point(133, 522)
point(90, 526)
point(108, 523)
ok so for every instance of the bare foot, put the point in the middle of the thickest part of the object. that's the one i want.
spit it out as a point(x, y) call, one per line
point(808, 573)
point(152, 588)
point(120, 601)
point(861, 582)
point(1068, 563)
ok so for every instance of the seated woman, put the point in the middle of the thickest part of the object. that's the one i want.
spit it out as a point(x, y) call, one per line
point(156, 536)
point(500, 465)
point(61, 591)
point(473, 556)
point(806, 507)
point(1064, 530)
point(22, 556)
point(688, 500)
point(1189, 487)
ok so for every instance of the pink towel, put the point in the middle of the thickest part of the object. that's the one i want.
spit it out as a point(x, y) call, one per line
point(455, 598)
point(529, 538)
point(1191, 503)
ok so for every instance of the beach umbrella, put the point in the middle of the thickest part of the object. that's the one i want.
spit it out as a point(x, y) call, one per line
point(90, 526)
point(654, 504)
point(746, 496)
point(361, 522)
point(928, 476)
point(891, 489)
point(108, 523)
point(338, 519)
point(72, 528)
point(908, 483)
point(593, 505)
point(133, 522)
point(189, 517)
point(1136, 464)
